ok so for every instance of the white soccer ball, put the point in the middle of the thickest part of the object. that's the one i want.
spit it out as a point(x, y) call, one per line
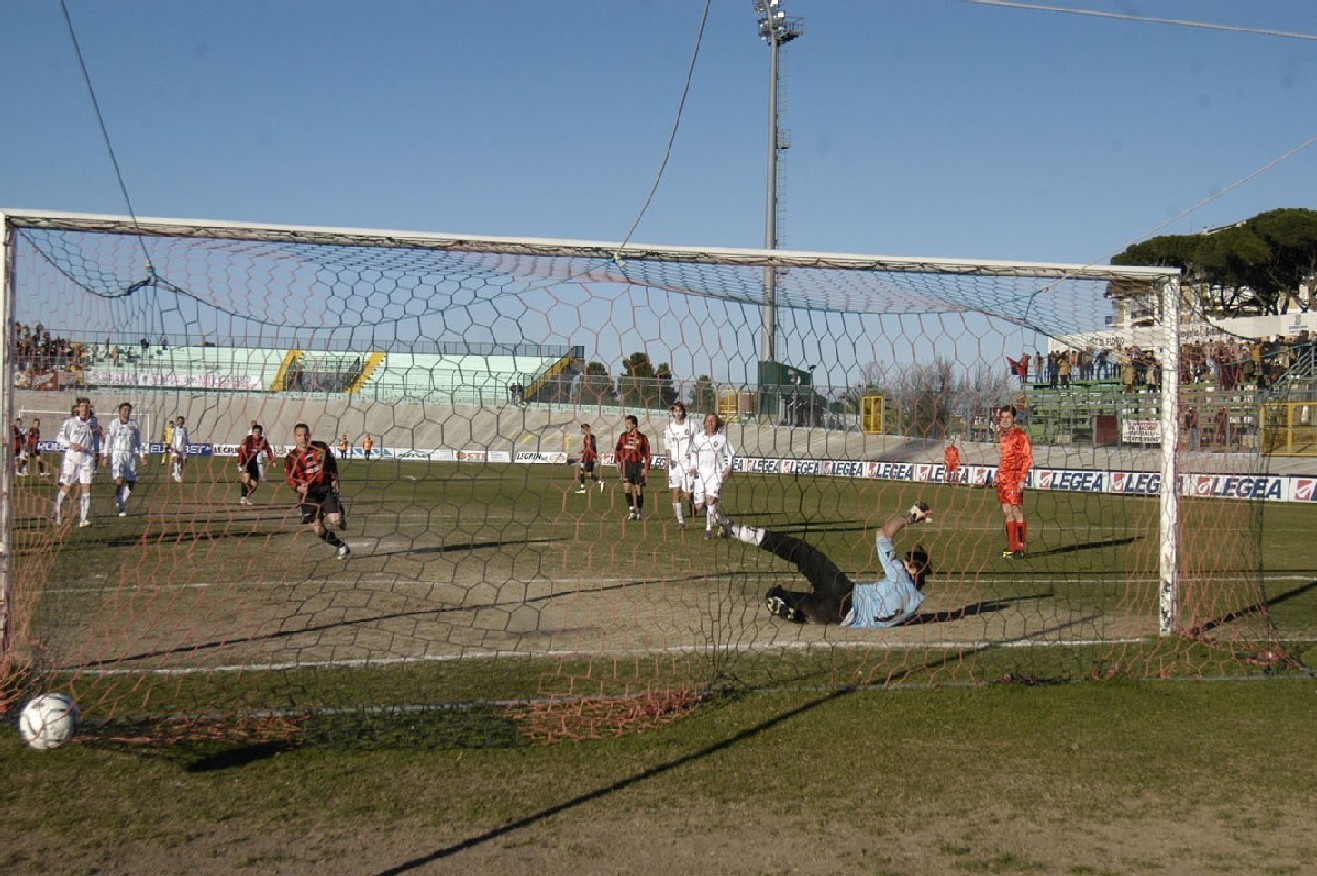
point(49, 721)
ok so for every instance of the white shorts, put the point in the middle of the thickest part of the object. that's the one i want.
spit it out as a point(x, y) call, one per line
point(707, 486)
point(123, 466)
point(679, 478)
point(77, 469)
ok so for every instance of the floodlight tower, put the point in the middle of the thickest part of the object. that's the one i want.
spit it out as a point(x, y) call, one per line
point(776, 29)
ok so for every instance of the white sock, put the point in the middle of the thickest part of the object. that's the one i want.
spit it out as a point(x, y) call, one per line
point(749, 534)
point(676, 509)
point(84, 505)
point(710, 514)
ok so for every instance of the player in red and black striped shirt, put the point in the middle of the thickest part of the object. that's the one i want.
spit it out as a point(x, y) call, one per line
point(20, 446)
point(34, 448)
point(310, 469)
point(250, 467)
point(632, 458)
point(589, 456)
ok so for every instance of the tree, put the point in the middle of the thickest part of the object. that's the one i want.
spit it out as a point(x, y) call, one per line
point(1291, 236)
point(1253, 267)
point(932, 400)
point(638, 385)
point(1167, 251)
point(704, 399)
point(872, 381)
point(596, 386)
point(667, 388)
point(1234, 263)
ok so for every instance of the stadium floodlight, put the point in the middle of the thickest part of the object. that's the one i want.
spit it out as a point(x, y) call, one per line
point(774, 25)
point(776, 28)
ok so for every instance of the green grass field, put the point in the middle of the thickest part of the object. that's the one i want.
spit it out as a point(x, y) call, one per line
point(479, 585)
point(1117, 778)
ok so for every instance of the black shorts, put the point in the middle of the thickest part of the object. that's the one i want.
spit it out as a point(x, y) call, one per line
point(317, 505)
point(587, 466)
point(253, 468)
point(633, 473)
point(830, 587)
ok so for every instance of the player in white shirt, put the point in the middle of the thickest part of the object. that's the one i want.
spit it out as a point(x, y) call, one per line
point(711, 457)
point(677, 441)
point(78, 440)
point(178, 449)
point(123, 442)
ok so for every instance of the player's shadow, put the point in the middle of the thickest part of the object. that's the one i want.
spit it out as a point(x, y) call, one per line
point(973, 609)
point(461, 546)
point(178, 537)
point(1086, 546)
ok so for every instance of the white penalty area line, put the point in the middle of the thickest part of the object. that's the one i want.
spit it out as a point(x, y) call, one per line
point(356, 580)
point(629, 653)
point(1114, 578)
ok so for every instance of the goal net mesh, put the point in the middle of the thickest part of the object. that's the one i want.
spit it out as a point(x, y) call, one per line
point(494, 592)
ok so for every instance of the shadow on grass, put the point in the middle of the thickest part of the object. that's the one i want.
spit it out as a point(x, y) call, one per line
point(652, 772)
point(460, 546)
point(971, 610)
point(466, 727)
point(361, 621)
point(1256, 608)
point(607, 790)
point(232, 758)
point(1293, 594)
point(1085, 546)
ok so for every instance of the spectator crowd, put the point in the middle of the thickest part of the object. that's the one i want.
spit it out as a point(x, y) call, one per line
point(1224, 364)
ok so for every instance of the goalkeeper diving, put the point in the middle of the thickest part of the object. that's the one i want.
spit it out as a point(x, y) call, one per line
point(833, 597)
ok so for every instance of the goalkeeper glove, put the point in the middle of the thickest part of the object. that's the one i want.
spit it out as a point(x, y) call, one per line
point(918, 512)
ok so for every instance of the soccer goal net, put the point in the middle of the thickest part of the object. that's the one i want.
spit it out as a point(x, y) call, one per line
point(485, 581)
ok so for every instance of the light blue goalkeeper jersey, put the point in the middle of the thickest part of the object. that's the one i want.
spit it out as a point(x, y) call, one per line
point(886, 603)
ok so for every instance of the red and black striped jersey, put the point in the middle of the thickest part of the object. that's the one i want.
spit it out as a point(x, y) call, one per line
point(252, 447)
point(312, 467)
point(589, 449)
point(632, 447)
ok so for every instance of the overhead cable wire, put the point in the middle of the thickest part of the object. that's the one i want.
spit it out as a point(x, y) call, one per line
point(1129, 16)
point(676, 126)
point(105, 133)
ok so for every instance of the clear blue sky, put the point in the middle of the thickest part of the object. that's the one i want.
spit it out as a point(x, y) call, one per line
point(931, 128)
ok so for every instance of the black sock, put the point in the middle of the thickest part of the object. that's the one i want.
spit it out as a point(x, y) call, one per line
point(330, 538)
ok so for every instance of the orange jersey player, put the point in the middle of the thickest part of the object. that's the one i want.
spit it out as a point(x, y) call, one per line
point(951, 462)
point(1012, 470)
